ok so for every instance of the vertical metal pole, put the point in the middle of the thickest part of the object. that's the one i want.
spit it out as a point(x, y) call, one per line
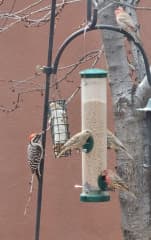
point(89, 9)
point(45, 117)
point(148, 118)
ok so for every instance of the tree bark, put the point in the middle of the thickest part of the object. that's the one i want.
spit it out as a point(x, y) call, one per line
point(130, 128)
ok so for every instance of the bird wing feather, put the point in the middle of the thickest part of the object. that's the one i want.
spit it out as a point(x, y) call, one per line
point(72, 141)
point(125, 17)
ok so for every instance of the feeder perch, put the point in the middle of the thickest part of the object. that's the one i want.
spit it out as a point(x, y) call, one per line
point(94, 154)
point(147, 110)
point(59, 125)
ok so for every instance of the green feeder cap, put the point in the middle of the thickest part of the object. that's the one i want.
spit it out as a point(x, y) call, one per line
point(97, 196)
point(93, 73)
point(147, 108)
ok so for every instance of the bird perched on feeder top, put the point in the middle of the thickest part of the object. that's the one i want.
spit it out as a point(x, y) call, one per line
point(114, 181)
point(125, 21)
point(114, 143)
point(76, 141)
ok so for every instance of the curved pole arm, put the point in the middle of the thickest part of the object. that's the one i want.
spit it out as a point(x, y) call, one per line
point(103, 27)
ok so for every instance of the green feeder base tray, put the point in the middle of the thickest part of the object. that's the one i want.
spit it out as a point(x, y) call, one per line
point(95, 197)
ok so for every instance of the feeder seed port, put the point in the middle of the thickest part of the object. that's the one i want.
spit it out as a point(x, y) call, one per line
point(88, 146)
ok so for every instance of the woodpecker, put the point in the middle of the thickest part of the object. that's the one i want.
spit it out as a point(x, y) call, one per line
point(34, 157)
point(35, 153)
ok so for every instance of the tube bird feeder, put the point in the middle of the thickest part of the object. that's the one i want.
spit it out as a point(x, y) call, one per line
point(94, 118)
point(58, 120)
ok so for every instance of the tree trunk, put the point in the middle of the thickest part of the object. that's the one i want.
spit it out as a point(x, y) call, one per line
point(130, 126)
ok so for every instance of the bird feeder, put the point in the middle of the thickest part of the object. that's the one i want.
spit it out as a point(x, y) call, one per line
point(59, 125)
point(147, 110)
point(94, 118)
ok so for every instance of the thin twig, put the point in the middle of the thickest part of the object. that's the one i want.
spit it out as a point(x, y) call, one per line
point(29, 6)
point(16, 105)
point(87, 57)
point(17, 82)
point(95, 52)
point(131, 6)
point(21, 16)
point(101, 51)
point(73, 95)
point(10, 11)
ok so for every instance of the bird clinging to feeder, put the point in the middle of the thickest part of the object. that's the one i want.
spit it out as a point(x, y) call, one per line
point(77, 141)
point(114, 143)
point(114, 181)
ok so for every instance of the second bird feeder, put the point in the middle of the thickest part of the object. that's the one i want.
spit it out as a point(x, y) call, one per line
point(94, 118)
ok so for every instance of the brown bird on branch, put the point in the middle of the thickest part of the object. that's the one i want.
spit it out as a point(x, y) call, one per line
point(125, 21)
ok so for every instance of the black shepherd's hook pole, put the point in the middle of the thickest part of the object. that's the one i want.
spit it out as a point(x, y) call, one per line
point(48, 71)
point(103, 27)
point(89, 9)
point(52, 69)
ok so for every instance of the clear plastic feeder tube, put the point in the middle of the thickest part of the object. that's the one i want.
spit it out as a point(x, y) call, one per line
point(94, 118)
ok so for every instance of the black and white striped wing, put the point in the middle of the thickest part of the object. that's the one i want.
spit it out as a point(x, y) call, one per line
point(34, 155)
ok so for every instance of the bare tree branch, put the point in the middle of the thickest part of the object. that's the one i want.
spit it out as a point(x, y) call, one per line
point(132, 5)
point(24, 17)
point(15, 105)
point(73, 95)
point(28, 85)
point(29, 6)
point(87, 57)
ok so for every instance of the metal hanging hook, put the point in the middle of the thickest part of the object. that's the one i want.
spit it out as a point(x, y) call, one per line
point(92, 18)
